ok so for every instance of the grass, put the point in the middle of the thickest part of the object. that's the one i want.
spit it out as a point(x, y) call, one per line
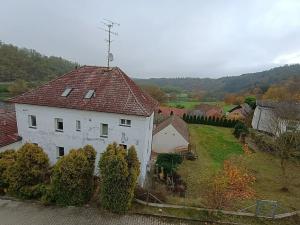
point(188, 104)
point(216, 144)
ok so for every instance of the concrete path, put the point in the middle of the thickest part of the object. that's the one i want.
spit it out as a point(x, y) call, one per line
point(25, 213)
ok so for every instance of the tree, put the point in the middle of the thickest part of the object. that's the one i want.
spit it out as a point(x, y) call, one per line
point(72, 177)
point(29, 170)
point(18, 87)
point(155, 92)
point(251, 101)
point(288, 149)
point(118, 170)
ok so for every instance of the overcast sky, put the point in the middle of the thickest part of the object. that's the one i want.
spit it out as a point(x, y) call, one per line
point(160, 38)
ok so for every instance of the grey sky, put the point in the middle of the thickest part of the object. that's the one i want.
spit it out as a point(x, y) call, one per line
point(160, 38)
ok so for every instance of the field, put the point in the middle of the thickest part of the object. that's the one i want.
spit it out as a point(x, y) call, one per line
point(188, 104)
point(215, 144)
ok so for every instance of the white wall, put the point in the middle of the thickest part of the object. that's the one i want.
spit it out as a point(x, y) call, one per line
point(167, 140)
point(265, 120)
point(14, 146)
point(139, 134)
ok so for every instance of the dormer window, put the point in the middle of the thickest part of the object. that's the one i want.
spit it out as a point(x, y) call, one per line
point(90, 94)
point(66, 92)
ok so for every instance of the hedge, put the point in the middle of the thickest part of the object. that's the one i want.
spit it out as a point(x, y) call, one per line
point(7, 159)
point(221, 122)
point(28, 172)
point(118, 173)
point(72, 178)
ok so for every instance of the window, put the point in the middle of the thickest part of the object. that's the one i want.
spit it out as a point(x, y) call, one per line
point(123, 146)
point(89, 94)
point(124, 122)
point(59, 125)
point(32, 121)
point(78, 125)
point(60, 151)
point(66, 92)
point(103, 130)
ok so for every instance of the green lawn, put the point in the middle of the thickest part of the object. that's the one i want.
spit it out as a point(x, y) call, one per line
point(216, 144)
point(193, 104)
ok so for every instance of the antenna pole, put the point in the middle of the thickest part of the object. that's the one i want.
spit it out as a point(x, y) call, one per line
point(109, 24)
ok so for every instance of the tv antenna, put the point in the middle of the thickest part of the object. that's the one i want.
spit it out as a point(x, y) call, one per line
point(109, 25)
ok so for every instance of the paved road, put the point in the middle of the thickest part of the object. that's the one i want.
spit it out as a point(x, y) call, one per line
point(25, 213)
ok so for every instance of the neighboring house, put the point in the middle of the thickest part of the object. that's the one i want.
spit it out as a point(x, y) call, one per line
point(89, 105)
point(207, 110)
point(240, 112)
point(9, 138)
point(172, 135)
point(168, 111)
point(276, 117)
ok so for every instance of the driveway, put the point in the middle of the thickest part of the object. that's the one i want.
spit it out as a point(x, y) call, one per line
point(25, 213)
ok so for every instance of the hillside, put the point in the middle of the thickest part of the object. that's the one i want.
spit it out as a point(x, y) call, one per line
point(29, 65)
point(235, 84)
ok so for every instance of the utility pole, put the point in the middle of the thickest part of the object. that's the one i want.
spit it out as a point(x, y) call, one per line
point(109, 25)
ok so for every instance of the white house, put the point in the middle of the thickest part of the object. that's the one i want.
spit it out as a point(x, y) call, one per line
point(89, 105)
point(170, 136)
point(276, 117)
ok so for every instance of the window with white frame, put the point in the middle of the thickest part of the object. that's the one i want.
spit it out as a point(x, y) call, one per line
point(32, 121)
point(103, 130)
point(59, 124)
point(78, 125)
point(60, 151)
point(125, 122)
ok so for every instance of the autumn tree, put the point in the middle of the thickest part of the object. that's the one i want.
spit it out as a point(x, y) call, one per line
point(156, 93)
point(18, 87)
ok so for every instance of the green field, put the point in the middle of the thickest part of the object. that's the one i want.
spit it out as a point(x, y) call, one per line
point(215, 144)
point(193, 104)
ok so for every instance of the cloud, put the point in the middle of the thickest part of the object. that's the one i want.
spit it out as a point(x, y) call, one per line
point(159, 38)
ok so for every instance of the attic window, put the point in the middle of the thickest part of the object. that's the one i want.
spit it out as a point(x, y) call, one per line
point(66, 92)
point(89, 94)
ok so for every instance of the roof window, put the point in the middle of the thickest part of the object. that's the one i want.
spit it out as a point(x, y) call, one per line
point(89, 94)
point(66, 92)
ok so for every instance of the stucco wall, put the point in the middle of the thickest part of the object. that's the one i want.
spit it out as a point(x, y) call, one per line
point(167, 140)
point(15, 146)
point(139, 134)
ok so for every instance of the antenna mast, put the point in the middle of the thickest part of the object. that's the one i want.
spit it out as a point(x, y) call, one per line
point(109, 25)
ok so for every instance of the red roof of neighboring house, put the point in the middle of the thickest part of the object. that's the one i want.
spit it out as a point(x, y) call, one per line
point(8, 128)
point(166, 111)
point(214, 113)
point(177, 123)
point(114, 92)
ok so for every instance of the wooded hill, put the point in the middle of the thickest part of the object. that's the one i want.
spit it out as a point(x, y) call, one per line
point(235, 84)
point(29, 65)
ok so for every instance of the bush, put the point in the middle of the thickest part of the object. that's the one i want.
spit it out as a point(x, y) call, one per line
point(30, 169)
point(119, 171)
point(7, 159)
point(72, 178)
point(169, 162)
point(240, 129)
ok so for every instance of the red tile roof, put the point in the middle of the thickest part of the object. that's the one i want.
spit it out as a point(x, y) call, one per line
point(177, 123)
point(115, 92)
point(8, 128)
point(166, 111)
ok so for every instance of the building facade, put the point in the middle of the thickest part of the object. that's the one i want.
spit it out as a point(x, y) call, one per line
point(99, 120)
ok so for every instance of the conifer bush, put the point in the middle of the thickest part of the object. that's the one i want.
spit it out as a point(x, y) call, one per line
point(119, 172)
point(28, 172)
point(7, 159)
point(72, 177)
